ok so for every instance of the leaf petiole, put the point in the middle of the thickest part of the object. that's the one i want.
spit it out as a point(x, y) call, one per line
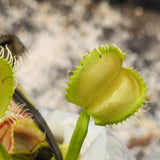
point(78, 136)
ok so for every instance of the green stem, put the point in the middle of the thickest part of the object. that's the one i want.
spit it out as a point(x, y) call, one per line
point(78, 136)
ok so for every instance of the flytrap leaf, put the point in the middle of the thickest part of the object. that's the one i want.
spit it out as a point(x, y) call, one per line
point(4, 154)
point(7, 79)
point(18, 133)
point(100, 85)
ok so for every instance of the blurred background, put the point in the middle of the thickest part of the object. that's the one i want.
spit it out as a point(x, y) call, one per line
point(57, 33)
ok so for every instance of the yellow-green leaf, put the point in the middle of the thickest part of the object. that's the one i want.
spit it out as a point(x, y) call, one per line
point(4, 154)
point(7, 79)
point(100, 85)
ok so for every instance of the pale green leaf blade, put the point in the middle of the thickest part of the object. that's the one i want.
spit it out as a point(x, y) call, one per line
point(7, 79)
point(4, 154)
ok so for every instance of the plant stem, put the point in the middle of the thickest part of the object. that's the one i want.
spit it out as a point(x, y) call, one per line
point(78, 136)
point(39, 120)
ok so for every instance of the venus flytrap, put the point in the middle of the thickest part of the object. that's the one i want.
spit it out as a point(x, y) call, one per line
point(19, 134)
point(7, 79)
point(4, 154)
point(105, 90)
point(7, 86)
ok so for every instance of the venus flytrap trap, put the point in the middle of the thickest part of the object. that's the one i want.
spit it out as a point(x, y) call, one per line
point(105, 90)
point(7, 86)
point(18, 132)
point(7, 79)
